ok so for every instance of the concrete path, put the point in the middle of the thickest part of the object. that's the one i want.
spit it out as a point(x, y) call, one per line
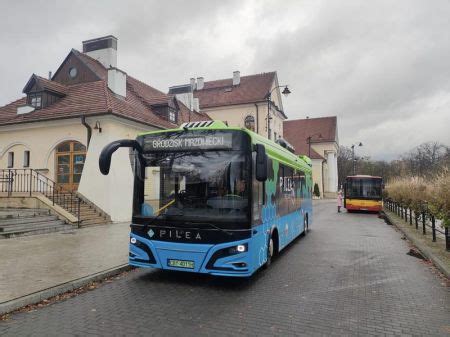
point(350, 276)
point(34, 263)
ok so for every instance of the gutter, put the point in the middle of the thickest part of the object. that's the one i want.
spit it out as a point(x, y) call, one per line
point(257, 118)
point(89, 130)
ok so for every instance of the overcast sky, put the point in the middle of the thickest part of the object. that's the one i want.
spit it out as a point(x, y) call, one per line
point(382, 67)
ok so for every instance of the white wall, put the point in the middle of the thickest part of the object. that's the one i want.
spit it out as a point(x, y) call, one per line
point(112, 193)
point(40, 139)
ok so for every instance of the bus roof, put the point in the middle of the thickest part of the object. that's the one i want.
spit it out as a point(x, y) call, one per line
point(273, 149)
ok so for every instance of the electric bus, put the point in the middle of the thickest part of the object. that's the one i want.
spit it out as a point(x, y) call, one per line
point(213, 199)
point(363, 193)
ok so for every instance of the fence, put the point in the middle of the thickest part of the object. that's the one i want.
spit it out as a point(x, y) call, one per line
point(423, 219)
point(27, 181)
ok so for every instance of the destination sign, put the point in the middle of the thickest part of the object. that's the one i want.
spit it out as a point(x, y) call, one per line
point(189, 142)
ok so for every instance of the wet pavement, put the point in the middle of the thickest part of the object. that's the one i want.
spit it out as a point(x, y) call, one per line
point(349, 276)
point(38, 262)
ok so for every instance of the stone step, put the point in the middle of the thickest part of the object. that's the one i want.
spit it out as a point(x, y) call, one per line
point(93, 222)
point(31, 226)
point(35, 231)
point(19, 221)
point(92, 216)
point(21, 212)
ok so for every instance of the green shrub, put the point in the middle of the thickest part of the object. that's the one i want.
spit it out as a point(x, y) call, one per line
point(316, 190)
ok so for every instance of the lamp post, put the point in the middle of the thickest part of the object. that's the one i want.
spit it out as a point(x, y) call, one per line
point(308, 140)
point(285, 92)
point(353, 156)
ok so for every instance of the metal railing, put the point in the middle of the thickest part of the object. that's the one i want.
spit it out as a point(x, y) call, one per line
point(423, 219)
point(30, 181)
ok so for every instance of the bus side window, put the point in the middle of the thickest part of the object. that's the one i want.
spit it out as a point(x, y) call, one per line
point(257, 194)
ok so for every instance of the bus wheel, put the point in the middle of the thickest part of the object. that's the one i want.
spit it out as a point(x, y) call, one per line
point(306, 224)
point(270, 250)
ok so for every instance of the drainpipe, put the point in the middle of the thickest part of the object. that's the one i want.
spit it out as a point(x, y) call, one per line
point(89, 130)
point(323, 183)
point(257, 118)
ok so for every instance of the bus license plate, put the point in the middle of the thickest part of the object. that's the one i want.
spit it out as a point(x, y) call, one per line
point(180, 263)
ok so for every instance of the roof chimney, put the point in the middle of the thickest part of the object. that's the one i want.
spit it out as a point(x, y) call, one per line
point(192, 83)
point(196, 105)
point(200, 83)
point(103, 49)
point(236, 77)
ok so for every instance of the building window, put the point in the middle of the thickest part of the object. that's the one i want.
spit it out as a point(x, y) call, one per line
point(10, 159)
point(26, 159)
point(249, 122)
point(275, 136)
point(36, 101)
point(172, 115)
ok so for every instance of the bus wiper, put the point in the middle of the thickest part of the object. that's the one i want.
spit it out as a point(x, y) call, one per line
point(220, 229)
point(210, 224)
point(159, 213)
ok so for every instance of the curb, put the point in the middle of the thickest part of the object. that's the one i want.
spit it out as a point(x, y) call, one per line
point(423, 249)
point(38, 296)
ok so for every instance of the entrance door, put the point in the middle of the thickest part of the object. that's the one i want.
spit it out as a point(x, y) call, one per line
point(70, 157)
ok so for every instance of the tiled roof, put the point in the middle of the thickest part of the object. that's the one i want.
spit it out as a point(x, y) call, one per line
point(94, 98)
point(191, 116)
point(46, 84)
point(253, 88)
point(297, 131)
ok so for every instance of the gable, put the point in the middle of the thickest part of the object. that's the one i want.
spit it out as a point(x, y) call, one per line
point(83, 72)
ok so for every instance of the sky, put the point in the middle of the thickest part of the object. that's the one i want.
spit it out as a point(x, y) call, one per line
point(381, 67)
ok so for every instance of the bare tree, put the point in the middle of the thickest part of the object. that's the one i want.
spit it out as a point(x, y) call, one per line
point(425, 160)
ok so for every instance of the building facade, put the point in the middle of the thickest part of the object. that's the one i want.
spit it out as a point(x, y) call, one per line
point(252, 101)
point(62, 123)
point(317, 138)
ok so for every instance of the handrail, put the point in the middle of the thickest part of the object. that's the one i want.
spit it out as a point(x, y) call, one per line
point(30, 180)
point(422, 216)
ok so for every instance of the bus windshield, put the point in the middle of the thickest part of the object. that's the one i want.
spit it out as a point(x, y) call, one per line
point(196, 186)
point(363, 188)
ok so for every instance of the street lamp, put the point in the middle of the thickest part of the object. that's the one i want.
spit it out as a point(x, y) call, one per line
point(353, 156)
point(285, 92)
point(308, 140)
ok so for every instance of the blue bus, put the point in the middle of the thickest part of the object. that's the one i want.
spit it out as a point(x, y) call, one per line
point(213, 199)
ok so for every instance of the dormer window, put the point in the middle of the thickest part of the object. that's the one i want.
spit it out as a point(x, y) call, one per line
point(172, 115)
point(36, 101)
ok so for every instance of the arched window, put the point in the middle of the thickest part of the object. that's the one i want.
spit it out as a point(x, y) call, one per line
point(70, 157)
point(249, 122)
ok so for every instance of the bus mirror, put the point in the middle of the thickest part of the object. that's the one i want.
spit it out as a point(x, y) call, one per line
point(261, 163)
point(104, 160)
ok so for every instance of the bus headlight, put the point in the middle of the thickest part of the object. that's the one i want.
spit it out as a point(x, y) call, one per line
point(238, 249)
point(133, 240)
point(241, 248)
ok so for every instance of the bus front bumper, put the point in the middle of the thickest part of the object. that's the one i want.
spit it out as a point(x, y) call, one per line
point(363, 205)
point(224, 259)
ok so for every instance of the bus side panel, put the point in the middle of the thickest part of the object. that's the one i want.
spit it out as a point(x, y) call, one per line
point(290, 224)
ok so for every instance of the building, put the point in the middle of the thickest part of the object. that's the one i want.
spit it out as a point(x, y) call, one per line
point(252, 101)
point(62, 123)
point(317, 138)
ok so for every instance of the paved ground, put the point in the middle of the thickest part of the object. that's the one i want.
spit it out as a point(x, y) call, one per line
point(33, 263)
point(349, 276)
